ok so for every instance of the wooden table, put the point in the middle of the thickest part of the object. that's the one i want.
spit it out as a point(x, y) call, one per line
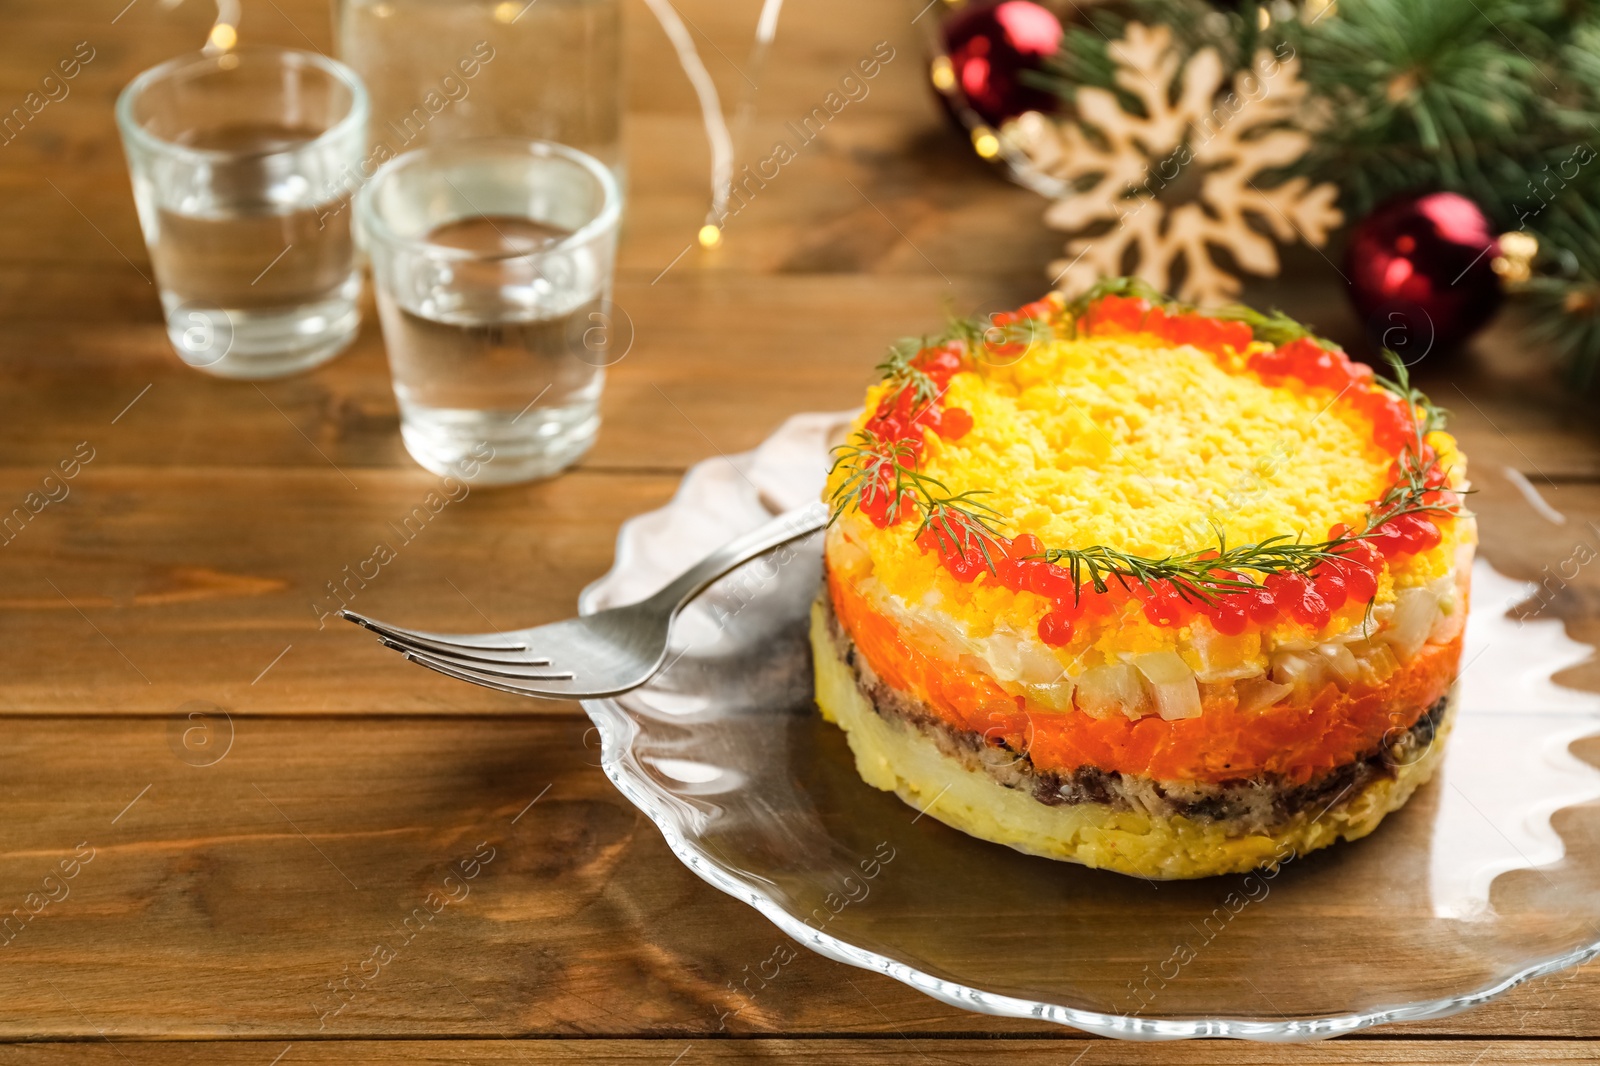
point(236, 872)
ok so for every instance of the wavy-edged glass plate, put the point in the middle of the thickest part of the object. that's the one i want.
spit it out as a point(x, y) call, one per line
point(1489, 877)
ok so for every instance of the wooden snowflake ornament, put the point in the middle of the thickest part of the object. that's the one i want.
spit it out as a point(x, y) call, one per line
point(1161, 193)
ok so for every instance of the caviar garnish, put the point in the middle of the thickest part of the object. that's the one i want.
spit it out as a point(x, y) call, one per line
point(1301, 581)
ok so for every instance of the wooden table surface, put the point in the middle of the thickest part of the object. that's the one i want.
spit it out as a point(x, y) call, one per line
point(184, 571)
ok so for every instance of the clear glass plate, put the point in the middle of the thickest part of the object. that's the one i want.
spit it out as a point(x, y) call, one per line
point(1490, 876)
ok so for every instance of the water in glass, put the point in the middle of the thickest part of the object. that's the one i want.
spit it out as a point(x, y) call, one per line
point(506, 349)
point(248, 253)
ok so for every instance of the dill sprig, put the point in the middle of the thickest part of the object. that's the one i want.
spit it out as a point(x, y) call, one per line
point(1408, 495)
point(873, 466)
point(981, 342)
point(901, 373)
point(1433, 416)
point(986, 341)
point(876, 465)
point(967, 330)
point(961, 519)
point(1277, 328)
point(1134, 288)
point(1192, 575)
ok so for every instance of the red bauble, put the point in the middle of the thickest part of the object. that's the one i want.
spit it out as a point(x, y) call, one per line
point(1421, 272)
point(990, 45)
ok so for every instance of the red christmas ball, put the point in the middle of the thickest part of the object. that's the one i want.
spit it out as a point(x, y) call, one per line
point(1421, 272)
point(990, 45)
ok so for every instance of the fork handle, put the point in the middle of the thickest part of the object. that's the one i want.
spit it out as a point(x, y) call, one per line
point(789, 526)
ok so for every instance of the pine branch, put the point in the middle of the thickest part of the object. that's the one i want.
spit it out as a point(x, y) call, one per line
point(1475, 96)
point(1084, 58)
point(1564, 295)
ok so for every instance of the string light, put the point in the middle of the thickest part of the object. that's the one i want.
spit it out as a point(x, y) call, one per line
point(1515, 262)
point(224, 34)
point(710, 109)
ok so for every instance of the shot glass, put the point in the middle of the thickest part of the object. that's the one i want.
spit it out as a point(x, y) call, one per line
point(241, 167)
point(493, 260)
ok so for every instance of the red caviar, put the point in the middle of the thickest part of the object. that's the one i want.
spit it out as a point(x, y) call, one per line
point(1307, 361)
point(1309, 599)
point(1296, 597)
point(1230, 614)
point(1164, 605)
point(1394, 423)
point(955, 423)
point(940, 363)
point(970, 552)
point(1043, 308)
point(1055, 628)
point(1131, 314)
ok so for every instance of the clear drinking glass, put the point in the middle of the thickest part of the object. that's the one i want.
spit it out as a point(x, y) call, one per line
point(492, 260)
point(442, 69)
point(241, 165)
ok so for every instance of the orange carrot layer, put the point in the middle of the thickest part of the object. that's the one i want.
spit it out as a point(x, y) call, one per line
point(1300, 742)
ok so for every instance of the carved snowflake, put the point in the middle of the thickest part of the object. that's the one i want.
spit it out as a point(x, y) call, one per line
point(1191, 176)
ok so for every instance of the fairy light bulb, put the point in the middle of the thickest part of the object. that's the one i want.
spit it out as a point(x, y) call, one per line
point(1514, 264)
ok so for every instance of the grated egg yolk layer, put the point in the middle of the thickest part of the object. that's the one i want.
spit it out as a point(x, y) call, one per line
point(1136, 444)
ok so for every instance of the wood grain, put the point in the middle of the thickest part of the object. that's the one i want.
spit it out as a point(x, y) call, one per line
point(244, 858)
point(145, 588)
point(855, 1052)
point(700, 379)
point(229, 882)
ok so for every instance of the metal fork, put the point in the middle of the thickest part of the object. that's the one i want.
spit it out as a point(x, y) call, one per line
point(602, 654)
